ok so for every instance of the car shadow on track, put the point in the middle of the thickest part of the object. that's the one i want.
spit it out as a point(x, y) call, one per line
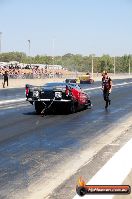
point(30, 113)
point(58, 112)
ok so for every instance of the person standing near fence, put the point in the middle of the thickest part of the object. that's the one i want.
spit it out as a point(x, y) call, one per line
point(5, 75)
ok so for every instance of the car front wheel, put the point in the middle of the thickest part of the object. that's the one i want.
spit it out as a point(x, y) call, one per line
point(88, 105)
point(71, 108)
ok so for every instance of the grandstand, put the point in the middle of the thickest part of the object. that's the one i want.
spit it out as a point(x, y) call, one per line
point(20, 70)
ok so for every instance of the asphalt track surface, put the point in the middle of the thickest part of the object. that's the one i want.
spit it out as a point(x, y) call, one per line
point(32, 147)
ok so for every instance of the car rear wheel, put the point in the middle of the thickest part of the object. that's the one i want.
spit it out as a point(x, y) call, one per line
point(39, 107)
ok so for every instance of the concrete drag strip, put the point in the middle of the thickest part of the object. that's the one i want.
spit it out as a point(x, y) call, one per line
point(3, 102)
point(42, 189)
point(113, 172)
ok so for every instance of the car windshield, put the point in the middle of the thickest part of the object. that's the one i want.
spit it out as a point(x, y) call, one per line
point(54, 84)
point(70, 80)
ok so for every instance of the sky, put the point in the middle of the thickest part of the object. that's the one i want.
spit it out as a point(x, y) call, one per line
point(58, 27)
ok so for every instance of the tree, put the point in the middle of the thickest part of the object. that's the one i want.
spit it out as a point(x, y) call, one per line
point(72, 62)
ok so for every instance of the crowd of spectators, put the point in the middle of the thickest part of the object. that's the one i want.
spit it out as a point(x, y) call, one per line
point(28, 71)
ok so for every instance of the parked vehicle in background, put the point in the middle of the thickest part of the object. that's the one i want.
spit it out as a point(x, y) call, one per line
point(71, 80)
point(85, 79)
point(68, 97)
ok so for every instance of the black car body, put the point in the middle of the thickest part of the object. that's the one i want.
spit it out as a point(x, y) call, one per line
point(67, 96)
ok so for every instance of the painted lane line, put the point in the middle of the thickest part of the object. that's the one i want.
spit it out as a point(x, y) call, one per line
point(12, 101)
point(113, 172)
point(114, 85)
point(95, 88)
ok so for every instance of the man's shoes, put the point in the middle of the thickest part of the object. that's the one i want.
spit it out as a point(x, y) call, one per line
point(106, 106)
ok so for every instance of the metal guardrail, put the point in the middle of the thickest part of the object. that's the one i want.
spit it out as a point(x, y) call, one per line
point(32, 76)
point(44, 76)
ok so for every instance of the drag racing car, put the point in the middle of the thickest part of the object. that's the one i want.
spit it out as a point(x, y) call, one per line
point(65, 96)
point(86, 79)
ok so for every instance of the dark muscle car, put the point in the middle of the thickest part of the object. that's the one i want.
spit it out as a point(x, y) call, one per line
point(67, 96)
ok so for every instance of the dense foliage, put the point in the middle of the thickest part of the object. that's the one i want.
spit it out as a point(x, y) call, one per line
point(73, 62)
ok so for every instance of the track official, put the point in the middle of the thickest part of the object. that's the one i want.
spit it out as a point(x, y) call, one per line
point(106, 87)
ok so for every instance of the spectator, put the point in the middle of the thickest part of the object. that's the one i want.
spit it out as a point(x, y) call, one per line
point(5, 79)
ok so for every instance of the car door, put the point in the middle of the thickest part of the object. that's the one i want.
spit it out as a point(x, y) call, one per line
point(75, 93)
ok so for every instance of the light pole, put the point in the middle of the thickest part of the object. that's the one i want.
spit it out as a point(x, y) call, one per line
point(53, 57)
point(53, 66)
point(29, 49)
point(114, 65)
point(0, 40)
point(92, 65)
point(129, 64)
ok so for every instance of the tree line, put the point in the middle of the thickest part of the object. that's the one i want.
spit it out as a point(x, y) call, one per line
point(73, 62)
